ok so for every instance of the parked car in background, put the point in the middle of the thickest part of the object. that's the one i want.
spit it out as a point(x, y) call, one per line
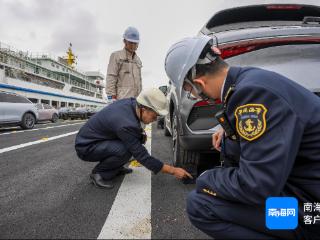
point(47, 112)
point(277, 37)
point(16, 110)
point(63, 112)
point(92, 111)
point(79, 112)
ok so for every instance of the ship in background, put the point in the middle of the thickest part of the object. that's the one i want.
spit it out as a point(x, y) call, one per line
point(44, 79)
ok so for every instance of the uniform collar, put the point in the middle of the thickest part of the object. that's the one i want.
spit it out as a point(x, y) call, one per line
point(134, 105)
point(128, 54)
point(230, 80)
point(221, 93)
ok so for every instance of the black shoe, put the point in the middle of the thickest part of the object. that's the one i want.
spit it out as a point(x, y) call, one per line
point(98, 181)
point(124, 171)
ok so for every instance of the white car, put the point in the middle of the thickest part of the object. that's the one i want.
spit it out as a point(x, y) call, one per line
point(47, 112)
point(17, 110)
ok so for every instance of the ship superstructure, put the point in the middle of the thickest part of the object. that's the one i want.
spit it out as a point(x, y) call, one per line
point(45, 79)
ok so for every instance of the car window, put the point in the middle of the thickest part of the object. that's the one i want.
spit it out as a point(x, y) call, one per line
point(20, 99)
point(305, 58)
point(2, 97)
point(46, 106)
point(11, 98)
point(38, 106)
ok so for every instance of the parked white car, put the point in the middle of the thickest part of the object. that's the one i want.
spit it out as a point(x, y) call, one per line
point(17, 110)
point(47, 112)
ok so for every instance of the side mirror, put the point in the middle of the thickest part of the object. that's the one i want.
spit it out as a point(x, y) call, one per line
point(164, 89)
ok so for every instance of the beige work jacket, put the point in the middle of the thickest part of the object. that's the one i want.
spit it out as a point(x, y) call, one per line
point(124, 75)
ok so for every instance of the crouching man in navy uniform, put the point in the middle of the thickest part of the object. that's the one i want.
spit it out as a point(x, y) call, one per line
point(114, 134)
point(270, 144)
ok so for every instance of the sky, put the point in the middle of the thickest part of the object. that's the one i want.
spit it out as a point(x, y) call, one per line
point(95, 28)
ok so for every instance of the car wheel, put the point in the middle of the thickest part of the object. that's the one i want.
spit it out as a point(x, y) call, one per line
point(181, 157)
point(85, 116)
point(166, 130)
point(28, 121)
point(55, 118)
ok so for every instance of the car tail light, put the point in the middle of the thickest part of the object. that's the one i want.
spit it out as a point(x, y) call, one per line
point(237, 48)
point(283, 7)
point(234, 51)
point(207, 103)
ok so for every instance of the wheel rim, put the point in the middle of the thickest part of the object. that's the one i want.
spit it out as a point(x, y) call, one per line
point(29, 121)
point(55, 117)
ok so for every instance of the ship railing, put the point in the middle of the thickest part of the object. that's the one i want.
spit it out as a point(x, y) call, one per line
point(37, 55)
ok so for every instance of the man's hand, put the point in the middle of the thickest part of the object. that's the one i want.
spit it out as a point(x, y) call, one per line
point(180, 173)
point(216, 139)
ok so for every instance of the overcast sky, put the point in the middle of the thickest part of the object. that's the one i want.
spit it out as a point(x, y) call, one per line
point(95, 28)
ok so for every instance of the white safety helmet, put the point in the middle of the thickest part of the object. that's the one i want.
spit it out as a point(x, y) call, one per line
point(184, 55)
point(154, 99)
point(131, 34)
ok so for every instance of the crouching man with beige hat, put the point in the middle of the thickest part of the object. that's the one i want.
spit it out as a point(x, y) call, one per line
point(114, 134)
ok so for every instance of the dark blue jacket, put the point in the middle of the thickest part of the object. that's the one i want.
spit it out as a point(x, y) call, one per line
point(117, 121)
point(278, 127)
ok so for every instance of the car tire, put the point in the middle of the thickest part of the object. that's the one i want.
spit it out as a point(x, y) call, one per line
point(182, 157)
point(28, 121)
point(55, 118)
point(166, 130)
point(85, 116)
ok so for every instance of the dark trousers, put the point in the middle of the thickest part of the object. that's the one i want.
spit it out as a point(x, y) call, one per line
point(111, 155)
point(223, 219)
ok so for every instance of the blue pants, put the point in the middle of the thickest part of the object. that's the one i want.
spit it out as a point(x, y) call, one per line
point(111, 154)
point(222, 219)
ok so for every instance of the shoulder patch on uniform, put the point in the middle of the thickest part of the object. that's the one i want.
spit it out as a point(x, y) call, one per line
point(251, 121)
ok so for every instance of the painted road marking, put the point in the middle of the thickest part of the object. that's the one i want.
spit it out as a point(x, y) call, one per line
point(37, 129)
point(8, 149)
point(42, 124)
point(130, 215)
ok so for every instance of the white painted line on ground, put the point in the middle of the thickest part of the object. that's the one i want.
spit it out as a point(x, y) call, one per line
point(37, 129)
point(130, 215)
point(64, 121)
point(41, 124)
point(8, 149)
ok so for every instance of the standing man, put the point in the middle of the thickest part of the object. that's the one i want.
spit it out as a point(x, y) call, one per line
point(114, 134)
point(271, 146)
point(124, 68)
